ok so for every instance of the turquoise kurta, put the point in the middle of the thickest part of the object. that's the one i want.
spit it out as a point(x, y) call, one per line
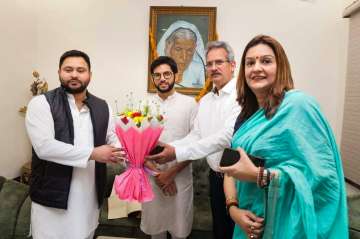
point(307, 199)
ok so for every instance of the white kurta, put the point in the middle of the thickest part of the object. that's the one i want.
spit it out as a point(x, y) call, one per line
point(81, 218)
point(173, 213)
point(213, 127)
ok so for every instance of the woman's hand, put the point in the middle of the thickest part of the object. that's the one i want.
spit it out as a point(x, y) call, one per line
point(243, 170)
point(249, 222)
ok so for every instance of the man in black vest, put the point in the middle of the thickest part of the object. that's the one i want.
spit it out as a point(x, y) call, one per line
point(73, 138)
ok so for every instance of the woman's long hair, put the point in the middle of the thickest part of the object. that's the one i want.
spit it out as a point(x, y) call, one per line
point(283, 81)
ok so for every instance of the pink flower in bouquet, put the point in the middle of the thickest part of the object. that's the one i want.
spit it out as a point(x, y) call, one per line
point(138, 132)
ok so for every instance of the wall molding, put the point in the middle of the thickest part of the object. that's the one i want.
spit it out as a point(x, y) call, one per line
point(351, 9)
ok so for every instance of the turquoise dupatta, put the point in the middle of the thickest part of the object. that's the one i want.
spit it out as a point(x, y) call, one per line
point(307, 199)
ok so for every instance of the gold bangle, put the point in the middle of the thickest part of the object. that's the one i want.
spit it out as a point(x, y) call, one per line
point(230, 199)
point(229, 205)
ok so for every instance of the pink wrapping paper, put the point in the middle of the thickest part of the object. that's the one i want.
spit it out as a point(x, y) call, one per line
point(134, 184)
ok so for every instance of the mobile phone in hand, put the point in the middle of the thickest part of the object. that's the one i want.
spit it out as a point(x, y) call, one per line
point(158, 149)
point(229, 157)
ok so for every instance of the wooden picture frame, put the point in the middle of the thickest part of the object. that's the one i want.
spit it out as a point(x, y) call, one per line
point(182, 33)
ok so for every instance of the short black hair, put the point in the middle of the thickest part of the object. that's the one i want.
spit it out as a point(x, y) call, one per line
point(75, 53)
point(164, 60)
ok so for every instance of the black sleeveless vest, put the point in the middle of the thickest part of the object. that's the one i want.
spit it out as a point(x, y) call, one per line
point(50, 182)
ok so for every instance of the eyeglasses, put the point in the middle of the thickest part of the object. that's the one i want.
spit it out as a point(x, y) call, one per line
point(166, 74)
point(218, 63)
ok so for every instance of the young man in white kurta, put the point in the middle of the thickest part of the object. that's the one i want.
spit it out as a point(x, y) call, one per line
point(166, 213)
point(80, 219)
point(213, 130)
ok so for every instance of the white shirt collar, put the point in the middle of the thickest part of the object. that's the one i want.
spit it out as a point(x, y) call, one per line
point(227, 89)
point(170, 97)
point(72, 103)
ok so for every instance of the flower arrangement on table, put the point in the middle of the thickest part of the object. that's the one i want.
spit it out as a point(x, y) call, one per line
point(138, 130)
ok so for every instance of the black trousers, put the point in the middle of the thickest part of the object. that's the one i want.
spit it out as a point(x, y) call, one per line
point(223, 225)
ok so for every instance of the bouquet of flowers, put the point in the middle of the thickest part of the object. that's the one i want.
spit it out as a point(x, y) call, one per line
point(138, 131)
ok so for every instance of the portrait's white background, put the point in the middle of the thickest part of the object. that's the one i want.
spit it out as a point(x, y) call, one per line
point(115, 34)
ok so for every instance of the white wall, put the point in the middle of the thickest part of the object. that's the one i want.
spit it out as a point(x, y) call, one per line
point(18, 57)
point(115, 35)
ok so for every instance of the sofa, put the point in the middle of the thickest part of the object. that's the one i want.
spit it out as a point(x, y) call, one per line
point(15, 209)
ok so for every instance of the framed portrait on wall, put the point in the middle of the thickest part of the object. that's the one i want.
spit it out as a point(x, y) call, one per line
point(182, 34)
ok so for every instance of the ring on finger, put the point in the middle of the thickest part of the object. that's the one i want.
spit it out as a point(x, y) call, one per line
point(252, 236)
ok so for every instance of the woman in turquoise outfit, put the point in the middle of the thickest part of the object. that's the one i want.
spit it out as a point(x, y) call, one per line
point(300, 192)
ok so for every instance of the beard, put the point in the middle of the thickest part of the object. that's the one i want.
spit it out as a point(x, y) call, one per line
point(170, 87)
point(68, 89)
